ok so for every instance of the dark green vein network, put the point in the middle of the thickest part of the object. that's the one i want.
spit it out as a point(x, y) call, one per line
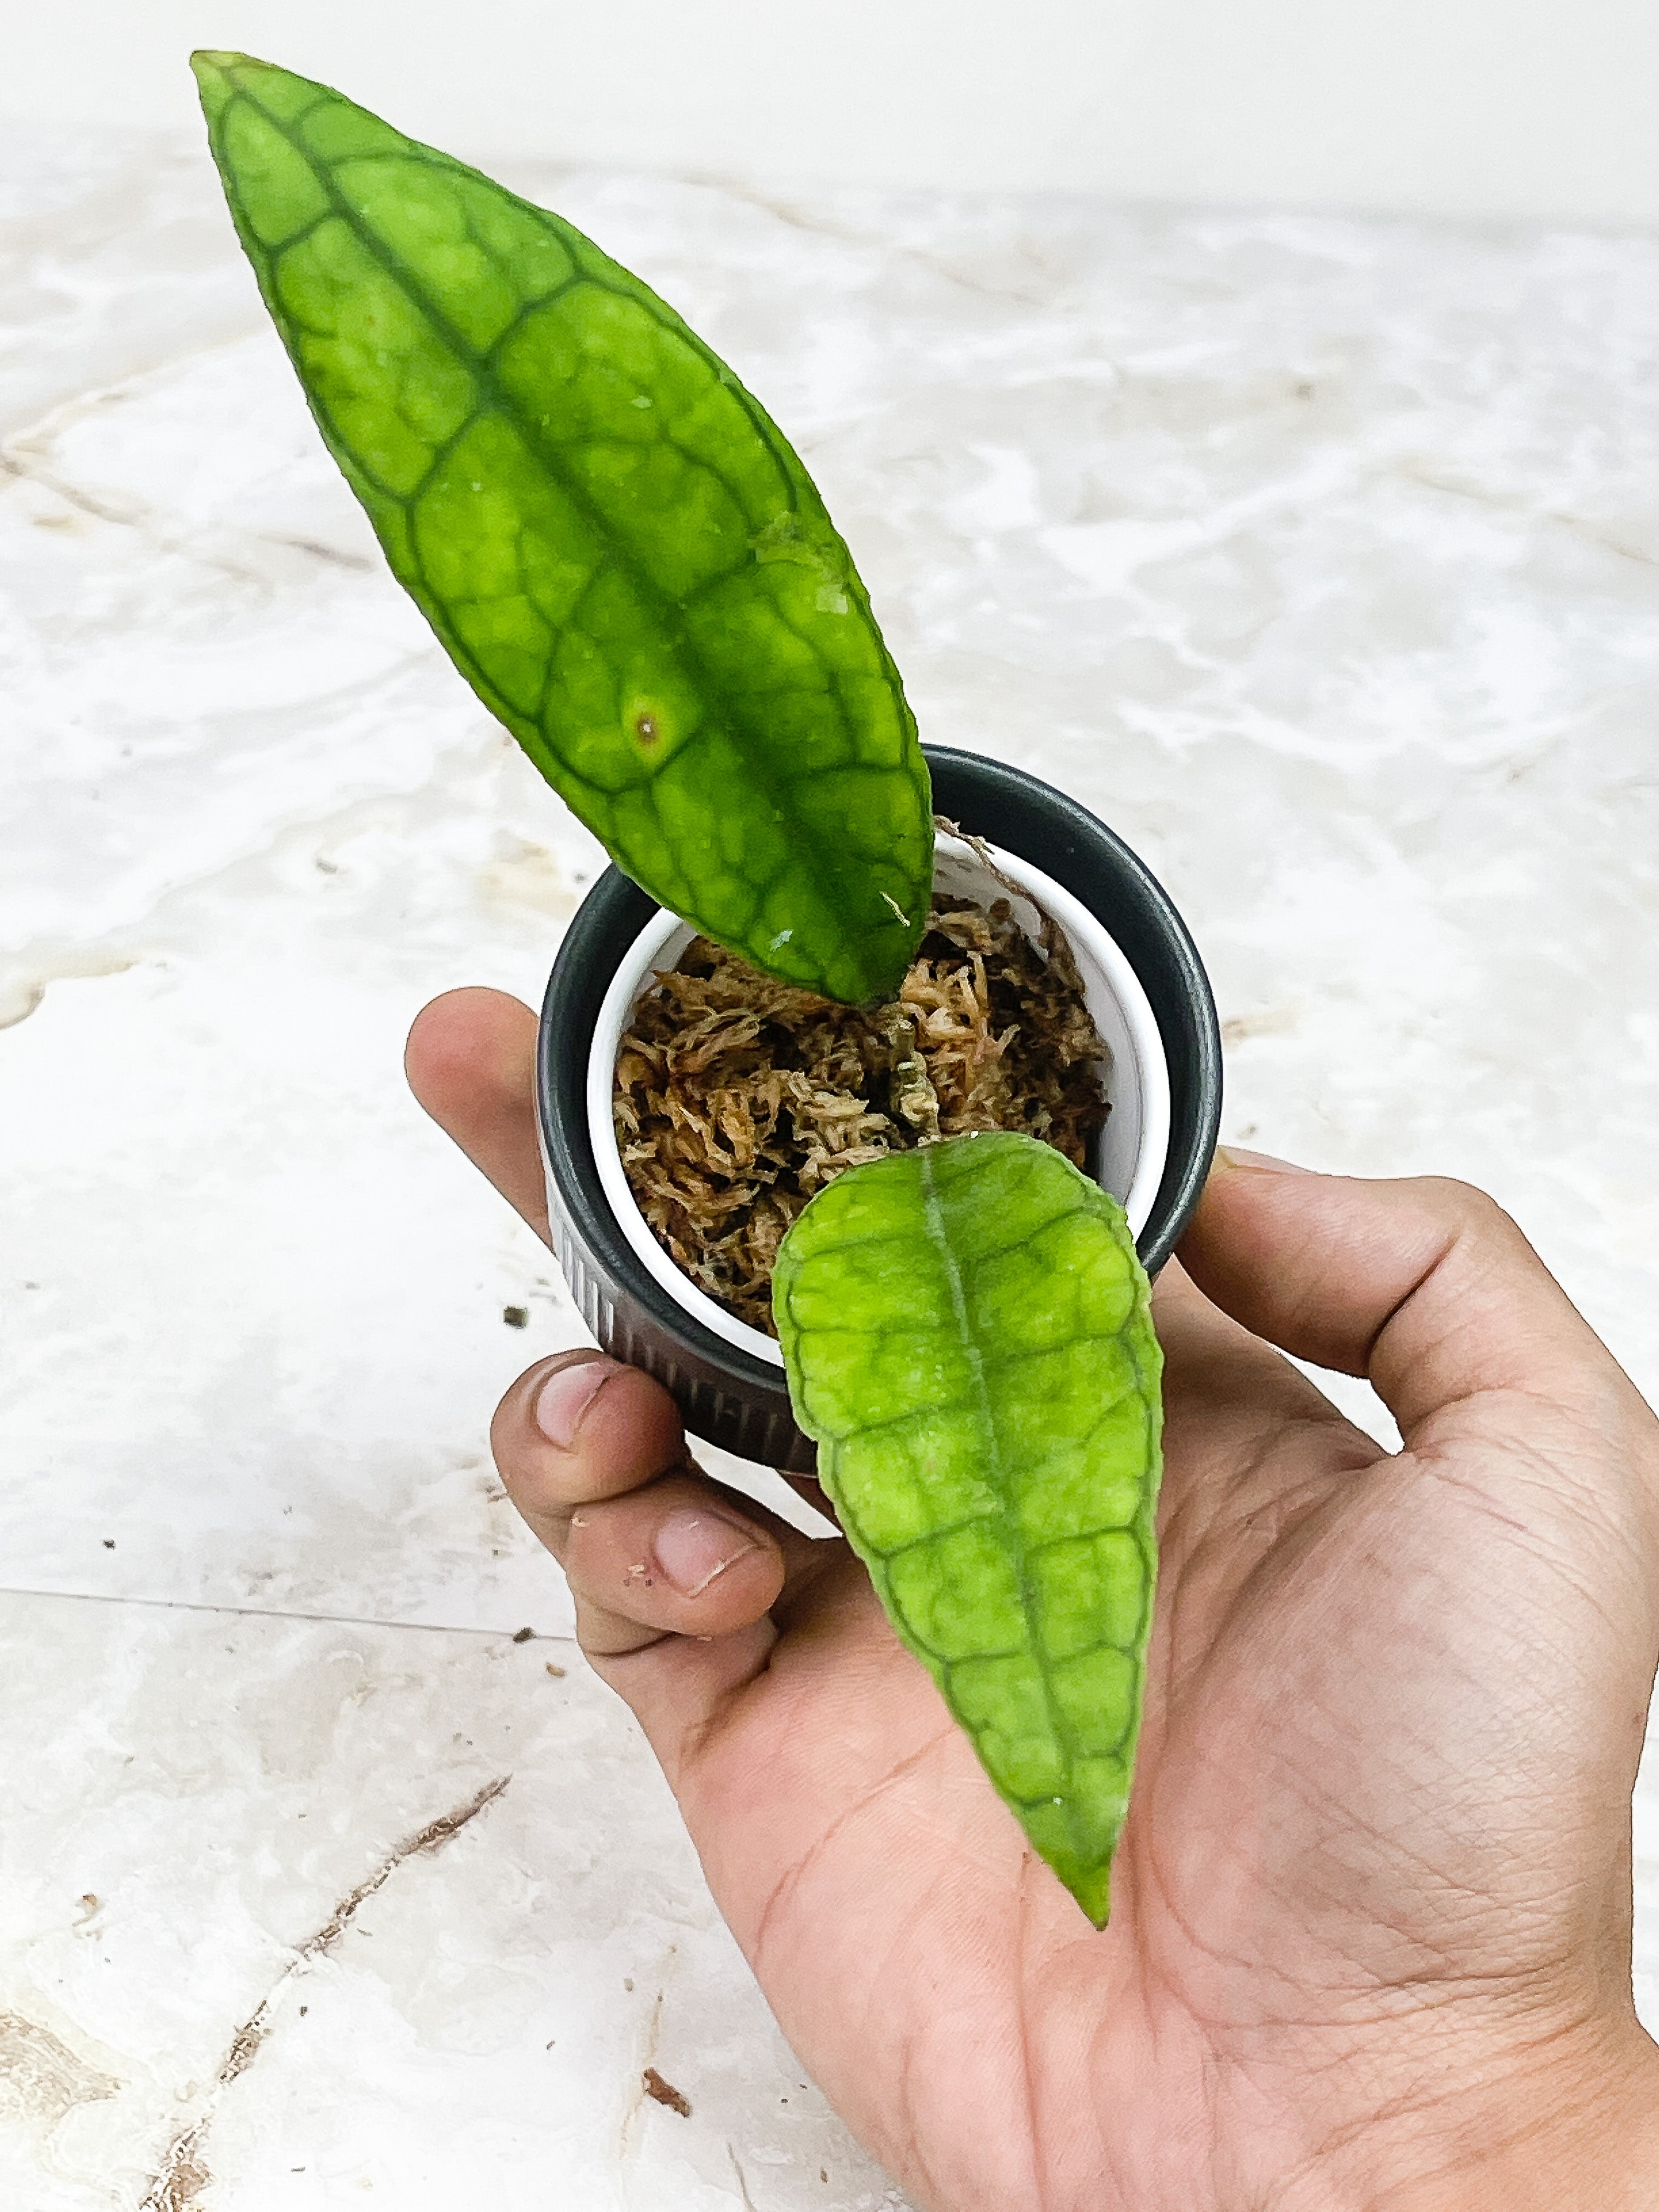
point(618, 549)
point(969, 1338)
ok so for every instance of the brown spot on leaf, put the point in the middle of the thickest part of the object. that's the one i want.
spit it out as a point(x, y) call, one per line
point(645, 729)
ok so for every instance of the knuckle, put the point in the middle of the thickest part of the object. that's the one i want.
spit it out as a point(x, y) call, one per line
point(1475, 1211)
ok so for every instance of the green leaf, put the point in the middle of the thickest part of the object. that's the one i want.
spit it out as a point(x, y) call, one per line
point(619, 549)
point(968, 1335)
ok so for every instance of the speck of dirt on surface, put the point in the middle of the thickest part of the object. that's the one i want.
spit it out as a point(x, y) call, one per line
point(516, 1316)
point(523, 1635)
point(666, 2093)
point(557, 1673)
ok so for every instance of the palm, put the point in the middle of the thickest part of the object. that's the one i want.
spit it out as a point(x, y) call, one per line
point(1320, 1689)
point(1368, 1674)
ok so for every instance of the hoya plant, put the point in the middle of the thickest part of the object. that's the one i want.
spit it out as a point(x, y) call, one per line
point(627, 561)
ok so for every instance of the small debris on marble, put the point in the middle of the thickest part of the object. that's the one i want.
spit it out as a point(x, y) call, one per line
point(666, 2093)
point(516, 1316)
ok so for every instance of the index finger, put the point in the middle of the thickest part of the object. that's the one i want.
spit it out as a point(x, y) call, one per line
point(1423, 1284)
point(470, 1061)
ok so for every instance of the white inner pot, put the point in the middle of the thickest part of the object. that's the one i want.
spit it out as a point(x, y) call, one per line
point(1133, 1146)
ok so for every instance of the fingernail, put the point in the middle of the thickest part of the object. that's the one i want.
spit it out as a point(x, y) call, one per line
point(692, 1547)
point(1237, 1157)
point(563, 1398)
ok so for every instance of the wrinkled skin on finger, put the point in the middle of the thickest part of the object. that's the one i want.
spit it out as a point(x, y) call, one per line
point(1371, 1936)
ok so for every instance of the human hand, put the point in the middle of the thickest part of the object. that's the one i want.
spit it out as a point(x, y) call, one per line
point(1370, 1939)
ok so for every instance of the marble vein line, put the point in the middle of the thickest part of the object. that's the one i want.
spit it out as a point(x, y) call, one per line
point(648, 2073)
point(21, 466)
point(33, 965)
point(742, 2185)
point(286, 1612)
point(181, 2176)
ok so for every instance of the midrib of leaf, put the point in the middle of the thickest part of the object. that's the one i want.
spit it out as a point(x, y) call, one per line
point(932, 1216)
point(479, 364)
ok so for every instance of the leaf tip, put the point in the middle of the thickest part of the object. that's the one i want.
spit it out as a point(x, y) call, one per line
point(212, 67)
point(1093, 1892)
point(209, 64)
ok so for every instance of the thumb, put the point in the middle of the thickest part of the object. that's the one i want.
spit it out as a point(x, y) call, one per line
point(1425, 1287)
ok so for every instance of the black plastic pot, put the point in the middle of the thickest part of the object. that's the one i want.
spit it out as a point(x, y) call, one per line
point(726, 1395)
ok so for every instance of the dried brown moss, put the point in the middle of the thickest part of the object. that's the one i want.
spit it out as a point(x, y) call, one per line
point(737, 1097)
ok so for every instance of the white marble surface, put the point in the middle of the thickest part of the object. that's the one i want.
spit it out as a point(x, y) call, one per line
point(191, 2009)
point(1321, 558)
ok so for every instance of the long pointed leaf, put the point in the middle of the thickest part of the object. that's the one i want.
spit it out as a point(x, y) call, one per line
point(620, 550)
point(968, 1335)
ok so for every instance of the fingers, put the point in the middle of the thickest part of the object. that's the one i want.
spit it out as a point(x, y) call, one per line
point(674, 1577)
point(1213, 1367)
point(470, 1061)
point(1425, 1286)
point(578, 1428)
point(1250, 1444)
point(672, 1559)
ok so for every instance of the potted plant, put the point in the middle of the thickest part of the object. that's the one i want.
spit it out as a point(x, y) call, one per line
point(627, 559)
